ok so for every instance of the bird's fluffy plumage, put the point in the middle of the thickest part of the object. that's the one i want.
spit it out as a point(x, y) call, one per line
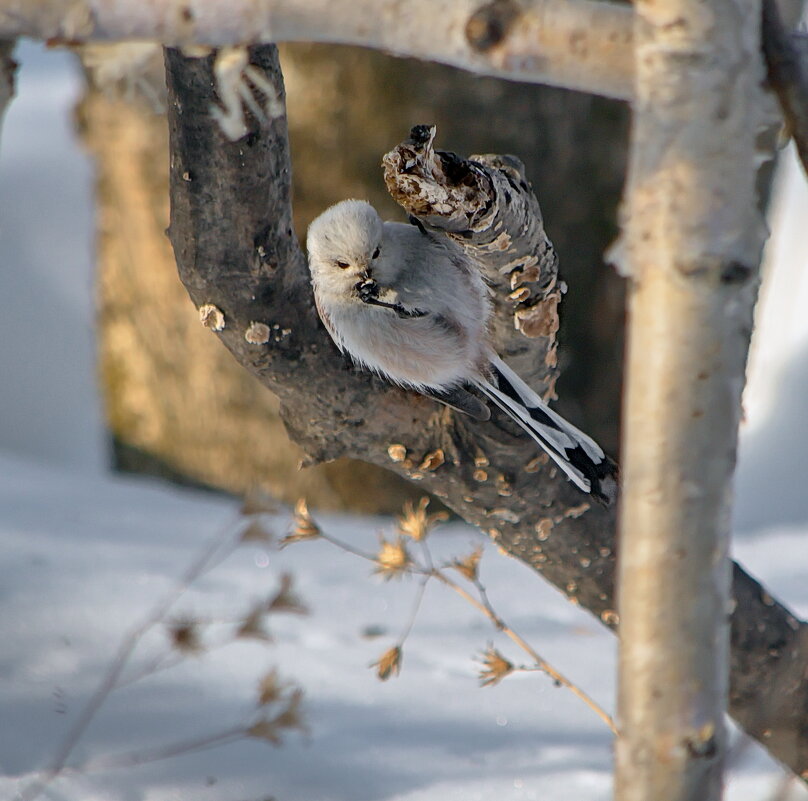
point(412, 307)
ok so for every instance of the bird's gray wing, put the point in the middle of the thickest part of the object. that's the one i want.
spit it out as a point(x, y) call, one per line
point(461, 400)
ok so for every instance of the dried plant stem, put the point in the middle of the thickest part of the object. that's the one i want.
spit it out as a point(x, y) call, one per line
point(343, 546)
point(486, 608)
point(416, 606)
point(428, 571)
point(209, 558)
point(167, 661)
point(157, 665)
point(131, 758)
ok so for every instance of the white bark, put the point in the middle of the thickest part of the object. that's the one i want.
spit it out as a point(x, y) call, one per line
point(693, 240)
point(579, 44)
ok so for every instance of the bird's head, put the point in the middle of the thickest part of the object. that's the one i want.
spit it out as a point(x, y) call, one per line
point(343, 243)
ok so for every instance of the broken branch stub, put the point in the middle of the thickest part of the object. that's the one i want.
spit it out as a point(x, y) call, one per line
point(487, 206)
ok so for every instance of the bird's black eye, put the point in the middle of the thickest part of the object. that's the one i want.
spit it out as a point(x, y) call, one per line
point(376, 253)
point(343, 265)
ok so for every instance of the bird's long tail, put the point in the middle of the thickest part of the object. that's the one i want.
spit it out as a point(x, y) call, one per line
point(578, 455)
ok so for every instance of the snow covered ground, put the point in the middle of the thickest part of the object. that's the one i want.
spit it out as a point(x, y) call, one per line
point(50, 409)
point(85, 556)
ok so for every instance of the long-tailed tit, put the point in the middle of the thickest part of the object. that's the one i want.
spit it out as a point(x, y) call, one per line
point(414, 308)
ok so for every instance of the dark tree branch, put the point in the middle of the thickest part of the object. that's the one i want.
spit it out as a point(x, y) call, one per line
point(236, 251)
point(787, 67)
point(8, 69)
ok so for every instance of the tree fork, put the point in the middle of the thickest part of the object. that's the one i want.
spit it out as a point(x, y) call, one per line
point(236, 251)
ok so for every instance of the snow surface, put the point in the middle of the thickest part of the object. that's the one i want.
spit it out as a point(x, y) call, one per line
point(50, 405)
point(84, 557)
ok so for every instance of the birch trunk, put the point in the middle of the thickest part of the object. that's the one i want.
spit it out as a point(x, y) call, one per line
point(576, 44)
point(694, 238)
point(582, 44)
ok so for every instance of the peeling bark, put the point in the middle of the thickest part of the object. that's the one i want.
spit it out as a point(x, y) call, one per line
point(486, 205)
point(235, 248)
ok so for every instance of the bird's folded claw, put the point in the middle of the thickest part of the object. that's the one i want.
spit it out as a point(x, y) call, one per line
point(367, 290)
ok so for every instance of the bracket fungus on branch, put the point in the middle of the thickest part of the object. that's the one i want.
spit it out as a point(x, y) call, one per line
point(487, 206)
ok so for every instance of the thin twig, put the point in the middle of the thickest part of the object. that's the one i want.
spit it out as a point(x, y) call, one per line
point(349, 548)
point(419, 597)
point(209, 558)
point(171, 659)
point(131, 758)
point(546, 667)
point(157, 665)
point(482, 604)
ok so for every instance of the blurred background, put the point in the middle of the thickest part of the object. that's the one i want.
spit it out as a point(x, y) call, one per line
point(104, 363)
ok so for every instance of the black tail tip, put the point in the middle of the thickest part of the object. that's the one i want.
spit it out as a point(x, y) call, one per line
point(604, 481)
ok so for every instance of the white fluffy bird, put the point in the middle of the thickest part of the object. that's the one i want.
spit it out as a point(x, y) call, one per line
point(412, 307)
